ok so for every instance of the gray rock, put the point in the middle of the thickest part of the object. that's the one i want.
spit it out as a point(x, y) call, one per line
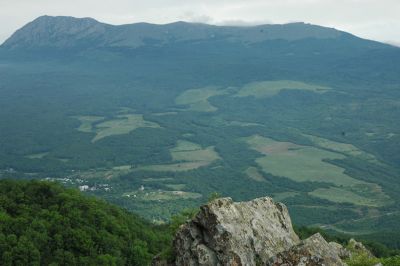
point(314, 251)
point(228, 233)
point(340, 250)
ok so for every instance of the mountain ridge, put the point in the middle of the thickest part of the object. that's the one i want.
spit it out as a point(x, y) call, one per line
point(63, 31)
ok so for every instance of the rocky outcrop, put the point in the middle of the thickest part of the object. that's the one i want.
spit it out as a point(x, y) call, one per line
point(257, 232)
point(313, 251)
point(358, 247)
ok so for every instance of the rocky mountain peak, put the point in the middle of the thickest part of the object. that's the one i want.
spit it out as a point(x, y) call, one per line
point(56, 32)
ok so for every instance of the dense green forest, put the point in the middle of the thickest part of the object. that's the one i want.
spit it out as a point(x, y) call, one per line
point(42, 223)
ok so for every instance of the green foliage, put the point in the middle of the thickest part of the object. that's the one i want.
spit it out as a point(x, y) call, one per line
point(42, 223)
point(213, 196)
point(362, 260)
point(393, 261)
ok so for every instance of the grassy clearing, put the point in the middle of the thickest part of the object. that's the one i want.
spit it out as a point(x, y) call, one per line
point(304, 163)
point(122, 168)
point(188, 155)
point(284, 195)
point(265, 89)
point(87, 122)
point(345, 148)
point(124, 124)
point(176, 186)
point(151, 179)
point(186, 151)
point(221, 121)
point(299, 163)
point(103, 173)
point(197, 99)
point(161, 195)
point(174, 167)
point(165, 113)
point(253, 173)
point(342, 195)
point(37, 155)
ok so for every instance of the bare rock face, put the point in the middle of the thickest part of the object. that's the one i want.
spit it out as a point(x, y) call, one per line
point(342, 252)
point(314, 251)
point(228, 233)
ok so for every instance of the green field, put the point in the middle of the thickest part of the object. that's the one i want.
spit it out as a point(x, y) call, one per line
point(190, 152)
point(176, 186)
point(173, 167)
point(253, 173)
point(161, 195)
point(308, 164)
point(284, 195)
point(197, 99)
point(266, 89)
point(341, 195)
point(37, 155)
point(87, 122)
point(186, 156)
point(152, 179)
point(345, 148)
point(123, 124)
point(299, 163)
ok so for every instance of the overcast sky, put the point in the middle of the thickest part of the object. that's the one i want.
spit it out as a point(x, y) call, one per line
point(372, 19)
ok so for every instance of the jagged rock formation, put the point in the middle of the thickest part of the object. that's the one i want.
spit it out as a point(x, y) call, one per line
point(257, 232)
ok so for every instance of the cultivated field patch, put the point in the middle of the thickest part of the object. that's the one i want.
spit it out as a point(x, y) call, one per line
point(345, 148)
point(37, 155)
point(161, 195)
point(123, 124)
point(197, 99)
point(309, 164)
point(299, 163)
point(190, 152)
point(87, 122)
point(186, 156)
point(265, 89)
point(346, 195)
point(173, 167)
point(253, 173)
point(119, 125)
point(284, 195)
point(176, 186)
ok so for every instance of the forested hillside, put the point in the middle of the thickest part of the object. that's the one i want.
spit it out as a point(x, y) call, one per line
point(42, 223)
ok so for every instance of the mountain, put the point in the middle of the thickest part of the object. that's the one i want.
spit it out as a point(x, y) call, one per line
point(155, 118)
point(66, 32)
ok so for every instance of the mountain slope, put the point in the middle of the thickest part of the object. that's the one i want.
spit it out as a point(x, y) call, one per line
point(43, 223)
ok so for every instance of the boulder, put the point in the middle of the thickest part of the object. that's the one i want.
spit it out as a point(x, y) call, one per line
point(314, 251)
point(228, 233)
